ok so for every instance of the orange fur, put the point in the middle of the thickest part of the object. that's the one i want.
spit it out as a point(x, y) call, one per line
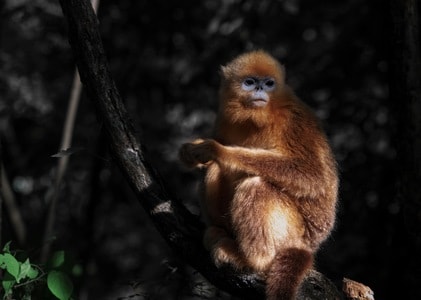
point(271, 182)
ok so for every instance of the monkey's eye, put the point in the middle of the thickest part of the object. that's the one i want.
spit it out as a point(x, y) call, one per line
point(249, 83)
point(269, 83)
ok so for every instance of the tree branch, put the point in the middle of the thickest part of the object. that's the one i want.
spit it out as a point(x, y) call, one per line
point(181, 229)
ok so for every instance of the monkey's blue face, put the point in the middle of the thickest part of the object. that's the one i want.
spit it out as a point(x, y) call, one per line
point(258, 90)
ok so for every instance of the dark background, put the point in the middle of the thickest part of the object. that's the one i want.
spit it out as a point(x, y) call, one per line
point(165, 57)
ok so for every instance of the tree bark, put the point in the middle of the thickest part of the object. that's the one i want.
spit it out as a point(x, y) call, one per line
point(406, 103)
point(182, 230)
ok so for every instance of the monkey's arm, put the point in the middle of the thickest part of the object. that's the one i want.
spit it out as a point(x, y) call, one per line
point(302, 177)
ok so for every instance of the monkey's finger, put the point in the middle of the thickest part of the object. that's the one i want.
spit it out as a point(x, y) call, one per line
point(187, 155)
point(197, 141)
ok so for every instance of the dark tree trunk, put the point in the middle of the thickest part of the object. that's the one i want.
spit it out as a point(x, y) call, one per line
point(406, 103)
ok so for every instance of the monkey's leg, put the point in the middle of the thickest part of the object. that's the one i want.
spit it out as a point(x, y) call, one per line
point(264, 221)
point(270, 235)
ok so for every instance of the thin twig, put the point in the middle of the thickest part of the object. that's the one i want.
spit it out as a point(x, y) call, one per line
point(10, 201)
point(52, 194)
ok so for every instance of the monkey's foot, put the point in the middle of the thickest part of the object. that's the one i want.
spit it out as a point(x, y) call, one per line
point(213, 235)
point(226, 251)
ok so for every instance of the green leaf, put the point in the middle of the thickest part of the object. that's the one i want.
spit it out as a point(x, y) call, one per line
point(2, 263)
point(6, 247)
point(7, 282)
point(60, 285)
point(33, 273)
point(25, 269)
point(57, 260)
point(12, 265)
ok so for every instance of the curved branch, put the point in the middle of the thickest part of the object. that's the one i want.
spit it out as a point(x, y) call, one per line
point(181, 229)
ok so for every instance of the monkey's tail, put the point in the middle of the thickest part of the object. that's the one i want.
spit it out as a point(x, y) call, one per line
point(286, 273)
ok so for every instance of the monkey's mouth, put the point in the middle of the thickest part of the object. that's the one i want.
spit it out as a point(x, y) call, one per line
point(258, 102)
point(258, 98)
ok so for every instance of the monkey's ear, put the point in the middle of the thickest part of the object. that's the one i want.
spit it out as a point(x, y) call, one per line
point(227, 72)
point(224, 71)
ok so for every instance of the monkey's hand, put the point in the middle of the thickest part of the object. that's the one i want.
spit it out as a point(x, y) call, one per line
point(198, 153)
